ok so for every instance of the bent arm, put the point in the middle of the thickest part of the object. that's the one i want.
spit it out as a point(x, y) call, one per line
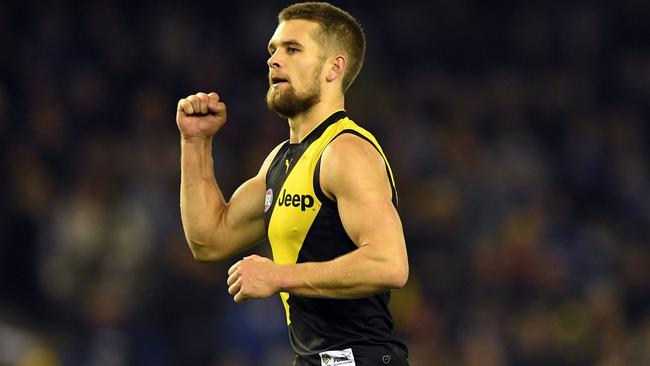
point(354, 174)
point(216, 229)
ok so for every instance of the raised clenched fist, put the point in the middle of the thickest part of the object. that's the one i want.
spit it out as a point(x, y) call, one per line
point(200, 115)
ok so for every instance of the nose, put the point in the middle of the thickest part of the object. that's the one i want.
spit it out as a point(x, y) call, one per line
point(273, 61)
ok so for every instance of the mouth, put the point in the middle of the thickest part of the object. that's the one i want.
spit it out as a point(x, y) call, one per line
point(276, 80)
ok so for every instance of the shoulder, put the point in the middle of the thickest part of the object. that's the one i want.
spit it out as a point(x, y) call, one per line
point(348, 149)
point(348, 127)
point(351, 162)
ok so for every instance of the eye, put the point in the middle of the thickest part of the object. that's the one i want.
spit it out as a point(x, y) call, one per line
point(271, 51)
point(292, 50)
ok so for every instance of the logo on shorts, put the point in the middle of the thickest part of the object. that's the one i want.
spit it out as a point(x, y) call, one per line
point(337, 358)
point(326, 359)
point(268, 199)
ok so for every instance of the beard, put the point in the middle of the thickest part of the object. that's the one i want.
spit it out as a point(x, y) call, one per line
point(287, 103)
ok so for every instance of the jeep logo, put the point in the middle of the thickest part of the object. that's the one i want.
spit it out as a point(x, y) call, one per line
point(304, 201)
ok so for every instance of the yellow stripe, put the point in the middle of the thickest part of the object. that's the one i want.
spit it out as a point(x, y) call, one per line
point(289, 225)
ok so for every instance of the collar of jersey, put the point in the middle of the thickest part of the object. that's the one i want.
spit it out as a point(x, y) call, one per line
point(316, 132)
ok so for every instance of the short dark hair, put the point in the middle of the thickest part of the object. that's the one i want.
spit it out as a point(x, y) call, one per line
point(338, 30)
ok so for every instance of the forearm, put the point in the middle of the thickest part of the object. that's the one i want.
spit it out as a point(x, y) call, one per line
point(201, 199)
point(357, 274)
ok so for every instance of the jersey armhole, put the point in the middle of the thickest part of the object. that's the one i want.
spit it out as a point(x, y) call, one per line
point(316, 184)
point(280, 151)
point(317, 188)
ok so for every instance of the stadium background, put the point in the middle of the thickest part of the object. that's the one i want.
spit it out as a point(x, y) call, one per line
point(518, 132)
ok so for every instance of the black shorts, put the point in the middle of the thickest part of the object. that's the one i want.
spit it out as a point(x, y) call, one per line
point(366, 355)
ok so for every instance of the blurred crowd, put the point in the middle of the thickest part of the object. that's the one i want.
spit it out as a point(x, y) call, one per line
point(518, 133)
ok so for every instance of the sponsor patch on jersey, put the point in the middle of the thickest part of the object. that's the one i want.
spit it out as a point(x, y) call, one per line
point(268, 199)
point(337, 358)
point(304, 201)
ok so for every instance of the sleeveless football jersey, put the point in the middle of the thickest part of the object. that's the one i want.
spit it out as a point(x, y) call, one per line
point(303, 225)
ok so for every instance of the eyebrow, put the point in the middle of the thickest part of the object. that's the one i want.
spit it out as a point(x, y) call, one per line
point(287, 43)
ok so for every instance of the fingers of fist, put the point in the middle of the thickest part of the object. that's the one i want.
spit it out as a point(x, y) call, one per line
point(200, 104)
point(235, 288)
point(235, 282)
point(246, 279)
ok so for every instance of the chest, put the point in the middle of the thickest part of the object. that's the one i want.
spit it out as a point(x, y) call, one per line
point(291, 206)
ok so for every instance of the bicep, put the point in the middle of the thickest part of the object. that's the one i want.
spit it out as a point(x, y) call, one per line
point(241, 224)
point(242, 221)
point(372, 221)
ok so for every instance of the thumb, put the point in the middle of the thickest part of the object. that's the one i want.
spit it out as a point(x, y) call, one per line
point(214, 104)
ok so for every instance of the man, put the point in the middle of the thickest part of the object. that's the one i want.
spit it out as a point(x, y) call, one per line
point(325, 199)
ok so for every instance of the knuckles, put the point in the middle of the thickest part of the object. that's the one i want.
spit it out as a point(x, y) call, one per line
point(195, 102)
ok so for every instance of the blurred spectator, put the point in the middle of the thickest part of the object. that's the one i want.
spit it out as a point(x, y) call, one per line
point(517, 131)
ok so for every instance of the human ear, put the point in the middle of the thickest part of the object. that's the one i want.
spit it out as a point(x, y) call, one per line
point(338, 66)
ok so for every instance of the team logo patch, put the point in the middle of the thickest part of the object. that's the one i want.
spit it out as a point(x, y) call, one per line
point(268, 199)
point(337, 358)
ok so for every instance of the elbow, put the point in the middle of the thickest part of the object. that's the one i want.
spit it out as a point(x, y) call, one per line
point(205, 256)
point(203, 245)
point(401, 278)
point(205, 253)
point(398, 275)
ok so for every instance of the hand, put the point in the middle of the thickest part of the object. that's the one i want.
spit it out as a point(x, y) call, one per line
point(252, 278)
point(200, 115)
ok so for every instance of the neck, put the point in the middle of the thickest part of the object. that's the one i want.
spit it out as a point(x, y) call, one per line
point(302, 124)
